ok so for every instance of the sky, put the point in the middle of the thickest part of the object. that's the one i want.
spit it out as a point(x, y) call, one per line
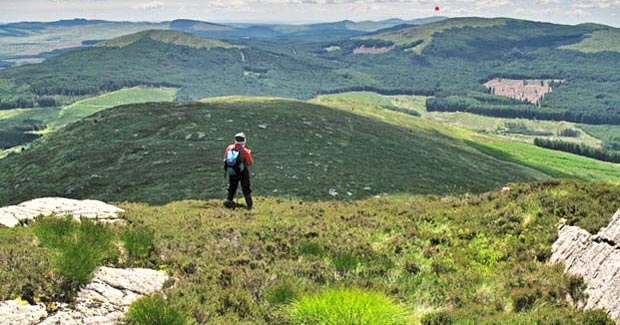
point(304, 11)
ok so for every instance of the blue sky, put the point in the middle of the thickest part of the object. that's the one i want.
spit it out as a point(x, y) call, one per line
point(558, 11)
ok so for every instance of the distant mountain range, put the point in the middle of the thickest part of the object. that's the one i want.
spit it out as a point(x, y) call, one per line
point(450, 59)
point(32, 42)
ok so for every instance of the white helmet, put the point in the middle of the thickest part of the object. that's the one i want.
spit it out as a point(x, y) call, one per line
point(240, 138)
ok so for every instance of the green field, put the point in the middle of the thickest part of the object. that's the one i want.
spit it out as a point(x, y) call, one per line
point(18, 117)
point(471, 260)
point(527, 131)
point(552, 163)
point(609, 134)
point(83, 108)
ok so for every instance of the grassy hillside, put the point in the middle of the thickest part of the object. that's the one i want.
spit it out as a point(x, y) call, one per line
point(20, 126)
point(599, 41)
point(553, 163)
point(609, 134)
point(162, 152)
point(470, 260)
point(83, 108)
point(169, 37)
point(422, 36)
point(516, 129)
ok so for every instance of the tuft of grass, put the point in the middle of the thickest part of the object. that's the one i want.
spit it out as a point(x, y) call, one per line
point(78, 248)
point(345, 262)
point(281, 293)
point(308, 247)
point(25, 268)
point(437, 318)
point(154, 310)
point(76, 263)
point(138, 241)
point(351, 306)
point(53, 232)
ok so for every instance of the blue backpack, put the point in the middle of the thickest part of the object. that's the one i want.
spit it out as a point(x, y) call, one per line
point(233, 164)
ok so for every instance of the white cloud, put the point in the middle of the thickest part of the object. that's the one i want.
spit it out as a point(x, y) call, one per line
point(597, 4)
point(485, 4)
point(148, 5)
point(582, 13)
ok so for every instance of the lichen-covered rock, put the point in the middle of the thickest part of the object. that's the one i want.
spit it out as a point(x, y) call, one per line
point(103, 301)
point(11, 216)
point(107, 297)
point(611, 233)
point(138, 280)
point(60, 318)
point(7, 220)
point(596, 258)
point(14, 313)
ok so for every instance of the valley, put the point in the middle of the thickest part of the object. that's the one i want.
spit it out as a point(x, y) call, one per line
point(455, 59)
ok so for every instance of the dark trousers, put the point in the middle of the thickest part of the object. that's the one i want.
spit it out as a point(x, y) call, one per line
point(233, 184)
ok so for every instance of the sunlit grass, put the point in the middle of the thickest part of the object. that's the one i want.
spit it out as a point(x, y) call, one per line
point(350, 306)
point(154, 310)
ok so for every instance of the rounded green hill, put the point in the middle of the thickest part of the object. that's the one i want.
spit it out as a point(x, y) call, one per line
point(161, 152)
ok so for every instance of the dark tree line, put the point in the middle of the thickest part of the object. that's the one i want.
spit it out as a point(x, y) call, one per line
point(451, 104)
point(9, 139)
point(579, 149)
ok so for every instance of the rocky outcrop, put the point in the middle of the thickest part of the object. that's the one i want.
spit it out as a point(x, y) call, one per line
point(15, 313)
point(596, 258)
point(103, 301)
point(12, 216)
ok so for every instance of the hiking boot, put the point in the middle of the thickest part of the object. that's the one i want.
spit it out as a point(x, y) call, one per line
point(249, 203)
point(229, 204)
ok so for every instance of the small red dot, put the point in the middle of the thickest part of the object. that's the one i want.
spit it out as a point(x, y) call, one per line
point(436, 8)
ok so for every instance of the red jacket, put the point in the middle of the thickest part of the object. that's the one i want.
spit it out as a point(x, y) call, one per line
point(245, 155)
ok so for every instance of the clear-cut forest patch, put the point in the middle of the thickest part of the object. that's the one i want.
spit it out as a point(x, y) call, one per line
point(530, 90)
point(372, 50)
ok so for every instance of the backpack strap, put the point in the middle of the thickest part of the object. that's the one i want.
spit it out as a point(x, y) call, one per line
point(237, 166)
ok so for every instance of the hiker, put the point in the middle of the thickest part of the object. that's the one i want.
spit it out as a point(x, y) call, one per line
point(237, 159)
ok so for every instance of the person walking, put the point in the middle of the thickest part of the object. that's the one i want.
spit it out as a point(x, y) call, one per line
point(237, 159)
